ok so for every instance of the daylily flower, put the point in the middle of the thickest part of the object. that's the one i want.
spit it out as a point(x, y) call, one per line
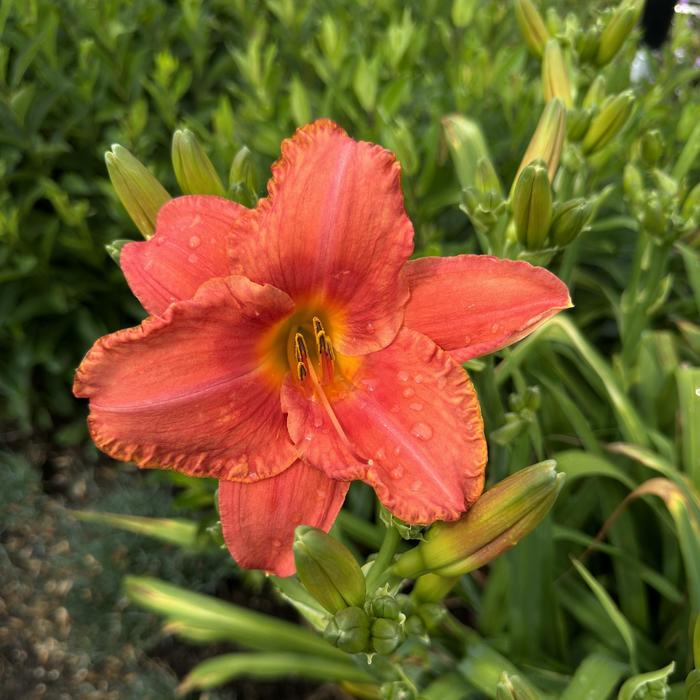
point(293, 348)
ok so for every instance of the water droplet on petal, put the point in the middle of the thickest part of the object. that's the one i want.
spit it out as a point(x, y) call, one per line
point(396, 473)
point(194, 241)
point(370, 327)
point(415, 486)
point(397, 450)
point(277, 543)
point(495, 327)
point(148, 264)
point(370, 462)
point(380, 454)
point(416, 406)
point(467, 340)
point(403, 376)
point(308, 437)
point(441, 382)
point(318, 421)
point(422, 431)
point(160, 240)
point(408, 392)
point(192, 258)
point(418, 378)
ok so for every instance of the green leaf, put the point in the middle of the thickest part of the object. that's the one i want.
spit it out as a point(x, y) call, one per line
point(613, 612)
point(223, 669)
point(595, 678)
point(178, 531)
point(688, 382)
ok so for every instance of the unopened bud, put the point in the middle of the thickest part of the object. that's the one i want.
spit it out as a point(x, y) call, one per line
point(578, 122)
point(486, 178)
point(467, 147)
point(618, 28)
point(386, 606)
point(501, 517)
point(608, 123)
point(194, 172)
point(548, 140)
point(665, 183)
point(114, 249)
point(588, 44)
point(595, 93)
point(514, 426)
point(652, 147)
point(433, 615)
point(328, 569)
point(632, 182)
point(385, 635)
point(531, 25)
point(349, 630)
point(512, 687)
point(653, 216)
point(568, 220)
point(138, 190)
point(242, 178)
point(532, 206)
point(555, 77)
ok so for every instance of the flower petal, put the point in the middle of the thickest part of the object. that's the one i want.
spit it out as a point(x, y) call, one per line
point(258, 520)
point(333, 233)
point(190, 391)
point(188, 248)
point(412, 427)
point(472, 305)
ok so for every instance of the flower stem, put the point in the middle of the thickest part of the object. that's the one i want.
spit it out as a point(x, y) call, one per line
point(379, 571)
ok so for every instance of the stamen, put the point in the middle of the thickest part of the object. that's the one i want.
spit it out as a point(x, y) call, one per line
point(302, 372)
point(318, 326)
point(300, 350)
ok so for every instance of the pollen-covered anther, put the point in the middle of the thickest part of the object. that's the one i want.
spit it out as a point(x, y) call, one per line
point(324, 347)
point(302, 372)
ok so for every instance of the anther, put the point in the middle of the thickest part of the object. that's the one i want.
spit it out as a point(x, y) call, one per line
point(300, 350)
point(318, 326)
point(301, 371)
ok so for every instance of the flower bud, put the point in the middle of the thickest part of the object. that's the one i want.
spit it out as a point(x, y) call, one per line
point(328, 569)
point(665, 183)
point(653, 216)
point(349, 630)
point(138, 190)
point(512, 687)
point(114, 249)
point(578, 122)
point(385, 635)
point(555, 77)
point(568, 220)
point(587, 46)
point(386, 606)
point(652, 147)
point(433, 615)
point(514, 426)
point(496, 522)
point(595, 94)
point(531, 25)
point(194, 172)
point(632, 182)
point(486, 179)
point(467, 146)
point(547, 141)
point(608, 123)
point(242, 179)
point(532, 206)
point(617, 30)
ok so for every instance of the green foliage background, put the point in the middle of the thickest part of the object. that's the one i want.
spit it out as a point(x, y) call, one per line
point(618, 377)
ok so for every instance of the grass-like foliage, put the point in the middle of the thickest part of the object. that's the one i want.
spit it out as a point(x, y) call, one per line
point(608, 586)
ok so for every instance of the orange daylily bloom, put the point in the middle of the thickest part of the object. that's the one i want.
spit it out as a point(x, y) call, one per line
point(294, 348)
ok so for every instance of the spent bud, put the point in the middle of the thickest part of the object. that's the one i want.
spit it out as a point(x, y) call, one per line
point(328, 569)
point(607, 124)
point(532, 206)
point(555, 76)
point(531, 25)
point(194, 172)
point(503, 515)
point(137, 188)
point(651, 147)
point(618, 28)
point(568, 220)
point(512, 687)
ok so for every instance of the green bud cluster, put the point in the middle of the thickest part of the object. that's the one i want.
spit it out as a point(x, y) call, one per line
point(612, 116)
point(522, 415)
point(484, 202)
